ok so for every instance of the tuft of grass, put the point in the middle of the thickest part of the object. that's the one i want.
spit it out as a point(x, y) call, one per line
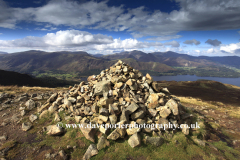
point(8, 144)
point(228, 152)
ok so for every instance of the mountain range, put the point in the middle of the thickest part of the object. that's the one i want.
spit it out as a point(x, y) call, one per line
point(3, 52)
point(83, 63)
point(175, 59)
point(29, 61)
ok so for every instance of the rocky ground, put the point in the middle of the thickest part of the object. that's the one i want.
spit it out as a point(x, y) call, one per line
point(218, 138)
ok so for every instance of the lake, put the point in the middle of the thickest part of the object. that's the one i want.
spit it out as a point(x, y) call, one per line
point(233, 81)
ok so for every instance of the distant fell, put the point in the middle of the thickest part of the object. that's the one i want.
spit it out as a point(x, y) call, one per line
point(68, 62)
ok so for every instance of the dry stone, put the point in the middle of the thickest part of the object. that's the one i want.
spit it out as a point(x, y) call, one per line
point(118, 95)
point(30, 104)
point(172, 104)
point(91, 151)
point(102, 143)
point(88, 132)
point(153, 101)
point(102, 87)
point(33, 117)
point(134, 140)
point(156, 141)
point(26, 126)
point(55, 130)
point(52, 98)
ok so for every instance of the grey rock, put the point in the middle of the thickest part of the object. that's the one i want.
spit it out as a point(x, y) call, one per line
point(117, 133)
point(162, 122)
point(21, 108)
point(124, 116)
point(21, 99)
point(43, 114)
point(132, 108)
point(131, 131)
point(103, 111)
point(63, 155)
point(91, 151)
point(4, 114)
point(102, 143)
point(173, 106)
point(26, 126)
point(15, 118)
point(55, 130)
point(53, 108)
point(156, 87)
point(165, 90)
point(30, 104)
point(102, 87)
point(22, 112)
point(198, 141)
point(3, 138)
point(164, 111)
point(43, 107)
point(185, 129)
point(52, 98)
point(88, 132)
point(57, 117)
point(78, 119)
point(103, 118)
point(113, 109)
point(33, 117)
point(156, 141)
point(152, 112)
point(67, 103)
point(72, 100)
point(113, 119)
point(139, 114)
point(134, 140)
point(153, 100)
point(94, 108)
point(48, 155)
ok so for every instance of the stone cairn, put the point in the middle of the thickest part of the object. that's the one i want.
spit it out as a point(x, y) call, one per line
point(119, 95)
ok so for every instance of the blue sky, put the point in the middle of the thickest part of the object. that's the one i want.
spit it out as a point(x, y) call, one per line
point(194, 27)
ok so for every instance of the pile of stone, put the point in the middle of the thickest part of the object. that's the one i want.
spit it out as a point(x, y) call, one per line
point(119, 95)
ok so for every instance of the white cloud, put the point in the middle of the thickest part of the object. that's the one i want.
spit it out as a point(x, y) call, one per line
point(192, 15)
point(128, 44)
point(210, 50)
point(0, 33)
point(77, 40)
point(231, 48)
point(68, 38)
